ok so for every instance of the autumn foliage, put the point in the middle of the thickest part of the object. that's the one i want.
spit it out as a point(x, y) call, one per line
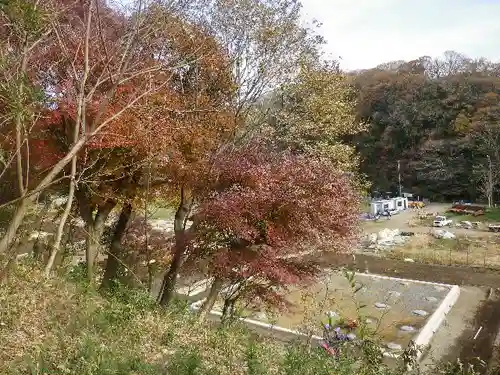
point(174, 95)
point(266, 207)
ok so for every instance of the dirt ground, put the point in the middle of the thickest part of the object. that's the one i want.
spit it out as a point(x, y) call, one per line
point(415, 271)
point(403, 220)
point(333, 293)
point(458, 328)
point(473, 309)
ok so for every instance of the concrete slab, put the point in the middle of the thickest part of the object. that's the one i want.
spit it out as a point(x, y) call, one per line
point(399, 310)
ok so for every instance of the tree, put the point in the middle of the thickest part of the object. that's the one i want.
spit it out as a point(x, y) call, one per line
point(261, 55)
point(180, 105)
point(486, 136)
point(315, 113)
point(268, 206)
point(426, 113)
point(124, 71)
point(487, 178)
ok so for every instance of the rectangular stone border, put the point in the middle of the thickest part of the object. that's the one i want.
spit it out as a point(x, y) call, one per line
point(421, 341)
point(425, 335)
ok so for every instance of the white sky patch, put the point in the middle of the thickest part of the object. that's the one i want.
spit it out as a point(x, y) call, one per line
point(365, 33)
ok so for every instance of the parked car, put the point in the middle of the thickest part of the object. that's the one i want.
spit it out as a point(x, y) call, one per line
point(441, 221)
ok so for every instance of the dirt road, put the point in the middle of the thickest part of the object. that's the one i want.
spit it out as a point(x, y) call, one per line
point(402, 221)
point(455, 275)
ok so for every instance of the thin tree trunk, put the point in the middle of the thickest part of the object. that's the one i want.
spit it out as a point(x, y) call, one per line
point(94, 234)
point(80, 121)
point(15, 223)
point(170, 278)
point(116, 251)
point(146, 232)
point(29, 197)
point(228, 309)
point(38, 246)
point(68, 240)
point(62, 222)
point(20, 138)
point(211, 299)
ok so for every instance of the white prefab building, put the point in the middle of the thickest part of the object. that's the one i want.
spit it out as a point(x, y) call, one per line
point(393, 204)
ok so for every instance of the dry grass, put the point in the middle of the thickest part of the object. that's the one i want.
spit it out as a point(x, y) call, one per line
point(61, 326)
point(70, 329)
point(462, 250)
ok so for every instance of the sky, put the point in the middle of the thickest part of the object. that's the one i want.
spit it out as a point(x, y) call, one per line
point(366, 33)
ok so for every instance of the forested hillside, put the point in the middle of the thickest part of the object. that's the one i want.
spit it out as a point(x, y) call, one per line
point(439, 117)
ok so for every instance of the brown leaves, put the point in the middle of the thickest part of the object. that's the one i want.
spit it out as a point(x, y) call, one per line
point(264, 206)
point(175, 74)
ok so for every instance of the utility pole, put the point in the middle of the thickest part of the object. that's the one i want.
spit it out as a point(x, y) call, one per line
point(490, 182)
point(399, 179)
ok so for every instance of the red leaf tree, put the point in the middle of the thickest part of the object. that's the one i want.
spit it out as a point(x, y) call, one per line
point(264, 209)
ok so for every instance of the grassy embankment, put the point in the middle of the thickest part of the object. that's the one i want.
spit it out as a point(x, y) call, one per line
point(61, 326)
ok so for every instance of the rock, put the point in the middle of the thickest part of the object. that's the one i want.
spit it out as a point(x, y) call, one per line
point(394, 346)
point(368, 321)
point(409, 260)
point(78, 222)
point(443, 234)
point(39, 235)
point(162, 225)
point(394, 294)
point(261, 315)
point(331, 314)
point(407, 328)
point(431, 299)
point(380, 305)
point(387, 238)
point(59, 202)
point(420, 312)
point(351, 336)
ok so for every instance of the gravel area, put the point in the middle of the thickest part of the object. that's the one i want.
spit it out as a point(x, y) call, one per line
point(395, 309)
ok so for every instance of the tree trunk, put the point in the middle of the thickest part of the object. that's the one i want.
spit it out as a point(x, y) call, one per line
point(14, 224)
point(39, 245)
point(228, 309)
point(170, 279)
point(211, 299)
point(94, 227)
point(62, 223)
point(94, 234)
point(115, 250)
